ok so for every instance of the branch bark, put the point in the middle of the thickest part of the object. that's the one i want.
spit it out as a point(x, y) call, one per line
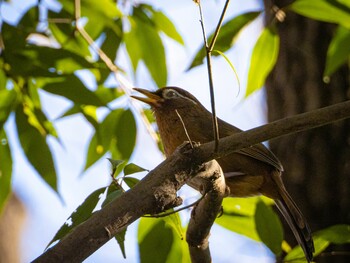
point(204, 214)
point(157, 191)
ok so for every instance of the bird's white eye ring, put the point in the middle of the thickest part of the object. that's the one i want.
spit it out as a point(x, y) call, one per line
point(170, 93)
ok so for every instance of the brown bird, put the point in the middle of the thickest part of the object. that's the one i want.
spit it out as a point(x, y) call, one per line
point(248, 172)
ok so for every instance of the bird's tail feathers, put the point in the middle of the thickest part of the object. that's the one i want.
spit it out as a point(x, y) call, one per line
point(296, 222)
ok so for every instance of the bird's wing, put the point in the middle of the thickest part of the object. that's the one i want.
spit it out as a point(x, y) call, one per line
point(261, 153)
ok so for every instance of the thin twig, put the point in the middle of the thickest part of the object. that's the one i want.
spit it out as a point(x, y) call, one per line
point(176, 211)
point(211, 85)
point(183, 125)
point(124, 83)
point(218, 27)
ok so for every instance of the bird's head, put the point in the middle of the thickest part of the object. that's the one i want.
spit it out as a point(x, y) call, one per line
point(168, 98)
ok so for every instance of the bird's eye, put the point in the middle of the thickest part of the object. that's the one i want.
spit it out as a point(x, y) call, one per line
point(169, 94)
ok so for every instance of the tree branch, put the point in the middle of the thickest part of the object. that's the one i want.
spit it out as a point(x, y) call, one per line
point(204, 214)
point(157, 191)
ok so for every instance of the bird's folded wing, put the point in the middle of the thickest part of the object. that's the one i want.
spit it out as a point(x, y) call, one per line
point(261, 153)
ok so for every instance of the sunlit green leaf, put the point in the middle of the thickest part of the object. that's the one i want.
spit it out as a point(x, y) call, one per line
point(144, 43)
point(65, 34)
point(125, 133)
point(7, 104)
point(174, 221)
point(331, 11)
point(227, 36)
point(5, 169)
point(269, 227)
point(73, 89)
point(120, 238)
point(238, 216)
point(164, 24)
point(263, 59)
point(132, 168)
point(156, 241)
point(3, 78)
point(104, 139)
point(337, 234)
point(339, 50)
point(81, 214)
point(35, 147)
point(107, 95)
point(131, 181)
point(112, 41)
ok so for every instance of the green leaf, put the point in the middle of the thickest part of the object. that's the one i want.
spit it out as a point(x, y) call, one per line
point(263, 59)
point(117, 134)
point(336, 234)
point(102, 139)
point(113, 192)
point(112, 41)
point(107, 95)
point(238, 216)
point(65, 34)
point(132, 168)
point(144, 43)
point(81, 214)
point(73, 89)
point(227, 36)
point(120, 238)
point(174, 221)
point(5, 169)
point(7, 104)
point(269, 227)
point(3, 78)
point(331, 11)
point(164, 24)
point(131, 181)
point(339, 50)
point(35, 147)
point(155, 241)
point(125, 133)
point(99, 15)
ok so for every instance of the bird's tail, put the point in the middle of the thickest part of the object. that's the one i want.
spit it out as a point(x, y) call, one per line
point(295, 220)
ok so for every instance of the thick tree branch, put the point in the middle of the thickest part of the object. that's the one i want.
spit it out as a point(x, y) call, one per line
point(157, 191)
point(203, 215)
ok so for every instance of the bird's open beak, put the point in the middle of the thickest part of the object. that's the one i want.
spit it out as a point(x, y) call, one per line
point(151, 99)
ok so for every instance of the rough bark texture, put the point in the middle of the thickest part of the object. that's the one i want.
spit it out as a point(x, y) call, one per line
point(317, 162)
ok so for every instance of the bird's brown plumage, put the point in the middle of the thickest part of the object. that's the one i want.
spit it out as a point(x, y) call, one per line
point(250, 171)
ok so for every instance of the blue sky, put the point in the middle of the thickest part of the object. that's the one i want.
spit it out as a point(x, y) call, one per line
point(46, 213)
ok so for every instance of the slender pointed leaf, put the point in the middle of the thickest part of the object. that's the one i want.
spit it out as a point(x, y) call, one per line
point(263, 59)
point(227, 36)
point(269, 227)
point(36, 148)
point(7, 104)
point(73, 89)
point(339, 50)
point(81, 214)
point(155, 241)
point(132, 168)
point(5, 169)
point(331, 11)
point(144, 43)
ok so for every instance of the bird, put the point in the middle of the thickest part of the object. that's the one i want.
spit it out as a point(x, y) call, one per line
point(251, 171)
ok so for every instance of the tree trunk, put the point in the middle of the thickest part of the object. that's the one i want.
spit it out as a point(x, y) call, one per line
point(317, 162)
point(11, 222)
